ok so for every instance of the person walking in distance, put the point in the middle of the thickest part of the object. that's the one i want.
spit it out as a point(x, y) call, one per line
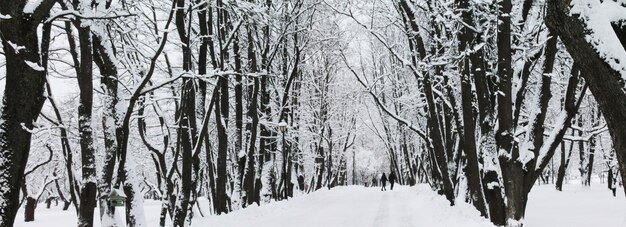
point(383, 181)
point(392, 179)
point(374, 181)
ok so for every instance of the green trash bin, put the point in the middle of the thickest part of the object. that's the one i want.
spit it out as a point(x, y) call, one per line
point(117, 198)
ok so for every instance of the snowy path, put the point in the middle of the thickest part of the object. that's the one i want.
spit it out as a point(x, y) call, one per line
point(354, 207)
point(357, 206)
point(397, 215)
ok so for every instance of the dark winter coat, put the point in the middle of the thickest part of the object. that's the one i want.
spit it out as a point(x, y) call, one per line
point(392, 177)
point(383, 179)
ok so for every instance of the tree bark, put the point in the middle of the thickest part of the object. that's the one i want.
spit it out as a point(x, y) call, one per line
point(249, 180)
point(29, 209)
point(252, 126)
point(187, 132)
point(23, 98)
point(85, 83)
point(222, 113)
point(512, 169)
point(221, 206)
point(472, 171)
point(110, 122)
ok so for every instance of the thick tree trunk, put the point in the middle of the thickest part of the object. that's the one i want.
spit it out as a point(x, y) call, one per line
point(211, 181)
point(491, 180)
point(29, 209)
point(512, 169)
point(187, 138)
point(221, 197)
point(239, 149)
point(248, 183)
point(110, 121)
point(201, 92)
point(22, 101)
point(222, 112)
point(472, 171)
point(187, 132)
point(85, 83)
point(253, 154)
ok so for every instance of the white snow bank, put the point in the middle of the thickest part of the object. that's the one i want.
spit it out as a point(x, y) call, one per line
point(575, 206)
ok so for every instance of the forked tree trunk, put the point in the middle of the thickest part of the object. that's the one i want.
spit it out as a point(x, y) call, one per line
point(472, 171)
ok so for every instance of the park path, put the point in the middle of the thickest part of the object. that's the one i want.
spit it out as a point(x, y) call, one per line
point(355, 206)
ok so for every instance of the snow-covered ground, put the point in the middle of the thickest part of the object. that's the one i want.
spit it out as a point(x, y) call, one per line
point(354, 207)
point(358, 206)
point(575, 206)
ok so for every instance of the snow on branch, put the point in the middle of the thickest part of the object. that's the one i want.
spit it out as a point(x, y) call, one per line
point(31, 170)
point(155, 87)
point(401, 120)
point(31, 6)
point(598, 17)
point(36, 9)
point(558, 132)
point(232, 36)
point(415, 69)
point(47, 180)
point(592, 133)
point(34, 66)
point(76, 14)
point(593, 129)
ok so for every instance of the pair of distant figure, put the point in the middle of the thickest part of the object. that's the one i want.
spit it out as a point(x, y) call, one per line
point(384, 179)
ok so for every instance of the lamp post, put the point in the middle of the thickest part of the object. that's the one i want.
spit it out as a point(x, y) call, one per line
point(283, 128)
